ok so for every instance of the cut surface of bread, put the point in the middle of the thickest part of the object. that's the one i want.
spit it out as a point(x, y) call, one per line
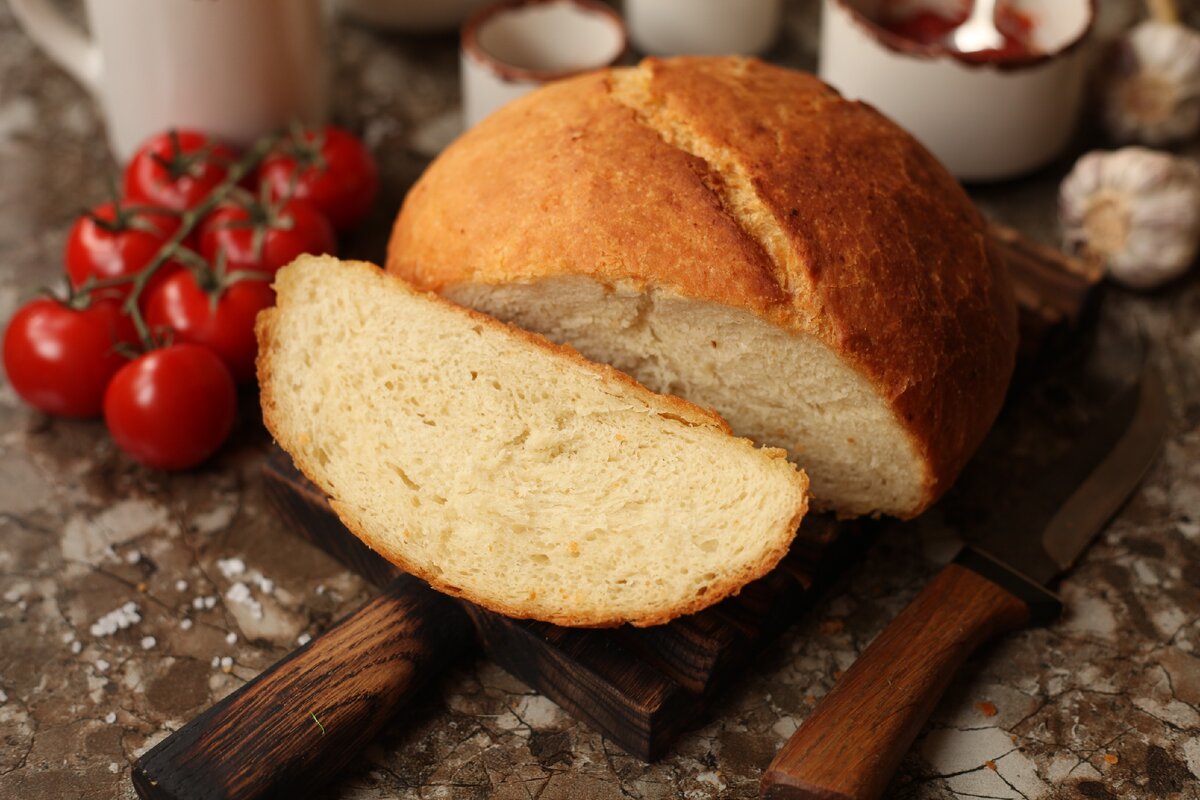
point(862, 319)
point(508, 470)
point(771, 385)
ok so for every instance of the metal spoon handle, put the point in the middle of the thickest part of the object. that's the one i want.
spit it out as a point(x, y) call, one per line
point(978, 31)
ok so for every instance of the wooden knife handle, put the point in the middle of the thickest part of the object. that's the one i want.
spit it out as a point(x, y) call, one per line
point(851, 744)
point(297, 724)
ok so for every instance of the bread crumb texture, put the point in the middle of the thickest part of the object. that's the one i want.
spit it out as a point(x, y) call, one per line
point(509, 470)
point(739, 234)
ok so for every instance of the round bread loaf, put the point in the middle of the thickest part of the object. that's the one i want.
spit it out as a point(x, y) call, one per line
point(740, 235)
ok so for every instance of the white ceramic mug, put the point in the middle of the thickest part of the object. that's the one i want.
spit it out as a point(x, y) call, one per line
point(511, 47)
point(232, 68)
point(703, 27)
point(984, 121)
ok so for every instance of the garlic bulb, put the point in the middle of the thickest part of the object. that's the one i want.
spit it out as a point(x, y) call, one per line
point(1152, 91)
point(1137, 209)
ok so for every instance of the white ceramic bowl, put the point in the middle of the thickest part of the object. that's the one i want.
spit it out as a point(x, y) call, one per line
point(985, 120)
point(703, 27)
point(512, 47)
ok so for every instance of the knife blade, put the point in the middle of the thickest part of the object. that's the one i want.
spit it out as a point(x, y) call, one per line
point(851, 744)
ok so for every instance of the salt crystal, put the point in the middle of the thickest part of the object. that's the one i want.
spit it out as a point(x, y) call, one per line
point(114, 767)
point(76, 647)
point(133, 557)
point(148, 642)
point(197, 603)
point(116, 620)
point(238, 593)
point(185, 623)
point(216, 662)
point(22, 605)
point(68, 637)
point(227, 664)
point(111, 717)
point(321, 589)
point(3, 696)
point(210, 601)
point(181, 585)
point(102, 665)
point(267, 585)
point(231, 638)
point(12, 596)
point(303, 639)
point(231, 567)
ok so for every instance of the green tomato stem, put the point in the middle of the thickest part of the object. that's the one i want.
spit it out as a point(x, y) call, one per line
point(188, 221)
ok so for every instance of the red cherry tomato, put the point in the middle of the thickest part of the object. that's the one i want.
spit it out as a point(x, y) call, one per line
point(226, 327)
point(59, 359)
point(116, 241)
point(329, 168)
point(264, 237)
point(171, 408)
point(177, 169)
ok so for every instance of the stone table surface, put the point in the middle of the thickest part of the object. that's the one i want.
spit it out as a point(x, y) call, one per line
point(1105, 703)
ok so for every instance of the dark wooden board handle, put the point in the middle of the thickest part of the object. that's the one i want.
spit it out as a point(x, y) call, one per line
point(299, 723)
point(851, 744)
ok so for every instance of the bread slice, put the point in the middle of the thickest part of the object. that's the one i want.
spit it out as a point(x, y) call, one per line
point(739, 235)
point(509, 470)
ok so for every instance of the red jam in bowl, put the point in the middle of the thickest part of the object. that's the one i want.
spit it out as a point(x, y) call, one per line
point(930, 27)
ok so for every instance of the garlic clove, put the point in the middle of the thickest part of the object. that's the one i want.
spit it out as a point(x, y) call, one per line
point(1151, 93)
point(1136, 209)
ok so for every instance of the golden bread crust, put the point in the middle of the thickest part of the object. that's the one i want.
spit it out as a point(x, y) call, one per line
point(598, 618)
point(881, 254)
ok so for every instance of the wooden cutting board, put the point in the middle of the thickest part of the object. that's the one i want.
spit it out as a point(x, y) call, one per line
point(642, 687)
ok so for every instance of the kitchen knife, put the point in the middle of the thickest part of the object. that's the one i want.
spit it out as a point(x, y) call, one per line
point(851, 744)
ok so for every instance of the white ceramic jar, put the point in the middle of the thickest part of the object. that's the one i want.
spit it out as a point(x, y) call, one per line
point(703, 27)
point(985, 120)
point(512, 47)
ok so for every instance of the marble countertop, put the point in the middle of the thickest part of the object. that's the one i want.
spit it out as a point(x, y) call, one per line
point(1104, 703)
